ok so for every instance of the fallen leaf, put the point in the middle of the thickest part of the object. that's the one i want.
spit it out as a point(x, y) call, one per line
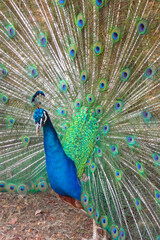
point(38, 212)
point(13, 221)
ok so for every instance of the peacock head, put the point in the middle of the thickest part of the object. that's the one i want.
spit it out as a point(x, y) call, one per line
point(40, 115)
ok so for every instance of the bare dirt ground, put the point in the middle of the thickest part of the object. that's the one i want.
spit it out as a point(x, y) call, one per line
point(41, 216)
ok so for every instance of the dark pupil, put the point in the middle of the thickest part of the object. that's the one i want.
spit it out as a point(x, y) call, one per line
point(22, 189)
point(77, 104)
point(118, 105)
point(97, 49)
point(80, 22)
point(64, 86)
point(4, 99)
point(99, 110)
point(99, 151)
point(104, 221)
point(141, 27)
point(113, 148)
point(137, 203)
point(102, 85)
point(85, 200)
point(130, 139)
point(83, 77)
point(3, 71)
point(122, 234)
point(11, 31)
point(124, 74)
point(117, 173)
point(105, 128)
point(156, 158)
point(115, 35)
point(158, 195)
point(114, 231)
point(99, 2)
point(90, 209)
point(1, 185)
point(33, 71)
point(72, 52)
point(90, 99)
point(11, 188)
point(145, 114)
point(139, 166)
point(149, 71)
point(43, 40)
point(61, 1)
point(42, 185)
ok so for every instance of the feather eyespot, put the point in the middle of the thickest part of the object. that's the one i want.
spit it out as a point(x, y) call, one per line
point(32, 71)
point(22, 189)
point(114, 231)
point(96, 215)
point(78, 104)
point(42, 186)
point(3, 186)
point(140, 168)
point(80, 21)
point(138, 204)
point(63, 86)
point(125, 74)
point(62, 112)
point(72, 51)
point(118, 175)
point(122, 234)
point(131, 140)
point(42, 40)
point(84, 199)
point(118, 105)
point(142, 26)
point(3, 71)
point(11, 188)
point(90, 98)
point(115, 35)
point(103, 85)
point(104, 221)
point(97, 48)
point(150, 72)
point(62, 3)
point(93, 167)
point(157, 196)
point(84, 76)
point(114, 149)
point(99, 3)
point(99, 110)
point(11, 31)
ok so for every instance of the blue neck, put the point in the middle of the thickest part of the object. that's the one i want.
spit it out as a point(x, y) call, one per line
point(61, 170)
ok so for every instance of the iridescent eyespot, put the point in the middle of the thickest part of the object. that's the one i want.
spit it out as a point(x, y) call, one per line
point(72, 51)
point(97, 48)
point(142, 26)
point(32, 71)
point(150, 72)
point(11, 31)
point(138, 204)
point(115, 34)
point(42, 186)
point(63, 86)
point(89, 161)
point(84, 76)
point(104, 221)
point(22, 189)
point(90, 98)
point(93, 167)
point(84, 199)
point(98, 137)
point(42, 40)
point(80, 21)
point(118, 105)
point(78, 104)
point(140, 168)
point(11, 188)
point(157, 196)
point(103, 85)
point(114, 231)
point(3, 71)
point(156, 158)
point(118, 175)
point(106, 128)
point(65, 127)
point(10, 122)
point(3, 186)
point(99, 110)
point(131, 140)
point(99, 3)
point(62, 3)
point(99, 152)
point(125, 74)
point(122, 234)
point(25, 140)
point(114, 149)
point(96, 215)
point(90, 211)
point(62, 112)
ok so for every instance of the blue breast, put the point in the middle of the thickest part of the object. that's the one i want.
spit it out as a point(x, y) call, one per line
point(61, 170)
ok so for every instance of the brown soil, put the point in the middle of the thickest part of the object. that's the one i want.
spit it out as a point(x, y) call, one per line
point(41, 216)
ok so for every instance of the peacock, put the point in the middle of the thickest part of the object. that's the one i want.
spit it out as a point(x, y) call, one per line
point(87, 73)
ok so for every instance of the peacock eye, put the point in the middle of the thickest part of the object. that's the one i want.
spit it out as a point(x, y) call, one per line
point(142, 26)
